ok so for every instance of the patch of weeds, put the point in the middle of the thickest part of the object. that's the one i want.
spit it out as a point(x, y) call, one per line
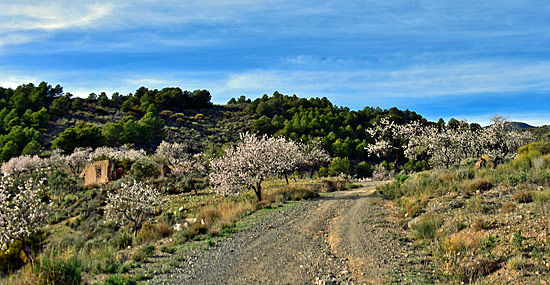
point(480, 224)
point(167, 249)
point(487, 245)
point(119, 280)
point(427, 227)
point(56, 268)
point(517, 262)
point(142, 254)
point(523, 196)
point(477, 205)
point(469, 272)
point(508, 207)
point(517, 240)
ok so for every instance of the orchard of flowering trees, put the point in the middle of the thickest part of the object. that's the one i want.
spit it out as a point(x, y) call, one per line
point(444, 146)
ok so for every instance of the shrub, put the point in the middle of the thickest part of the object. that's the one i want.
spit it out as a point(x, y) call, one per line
point(55, 268)
point(479, 224)
point(123, 239)
point(541, 200)
point(523, 196)
point(414, 208)
point(469, 272)
point(508, 207)
point(477, 204)
point(323, 172)
point(339, 165)
point(478, 184)
point(332, 185)
point(143, 169)
point(517, 262)
point(427, 227)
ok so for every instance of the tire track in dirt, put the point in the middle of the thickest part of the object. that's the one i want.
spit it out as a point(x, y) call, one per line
point(338, 238)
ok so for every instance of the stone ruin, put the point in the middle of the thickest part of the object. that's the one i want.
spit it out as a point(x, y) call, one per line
point(101, 172)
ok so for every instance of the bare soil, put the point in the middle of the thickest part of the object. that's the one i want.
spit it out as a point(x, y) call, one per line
point(349, 237)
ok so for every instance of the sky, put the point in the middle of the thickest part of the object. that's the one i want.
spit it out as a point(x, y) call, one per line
point(463, 59)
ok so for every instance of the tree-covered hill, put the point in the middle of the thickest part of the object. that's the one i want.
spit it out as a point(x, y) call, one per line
point(37, 118)
point(34, 118)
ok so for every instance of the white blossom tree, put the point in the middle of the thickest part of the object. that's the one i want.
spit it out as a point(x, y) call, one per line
point(499, 141)
point(132, 203)
point(22, 164)
point(314, 155)
point(56, 159)
point(249, 163)
point(446, 145)
point(390, 137)
point(119, 153)
point(191, 171)
point(173, 153)
point(22, 212)
point(78, 159)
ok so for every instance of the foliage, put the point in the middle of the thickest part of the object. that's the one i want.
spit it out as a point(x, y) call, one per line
point(82, 135)
point(339, 165)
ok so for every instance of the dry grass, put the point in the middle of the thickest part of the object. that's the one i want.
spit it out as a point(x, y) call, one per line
point(523, 196)
point(517, 262)
point(223, 214)
point(508, 207)
point(480, 184)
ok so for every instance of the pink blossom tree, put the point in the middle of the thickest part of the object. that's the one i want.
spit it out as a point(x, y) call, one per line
point(249, 163)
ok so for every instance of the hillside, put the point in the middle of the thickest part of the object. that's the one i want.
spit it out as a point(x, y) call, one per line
point(520, 126)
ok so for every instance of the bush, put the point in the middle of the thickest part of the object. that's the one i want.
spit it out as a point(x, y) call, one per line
point(541, 200)
point(323, 172)
point(477, 205)
point(478, 184)
point(523, 196)
point(508, 207)
point(53, 268)
point(143, 169)
point(123, 239)
point(339, 165)
point(517, 262)
point(363, 170)
point(427, 226)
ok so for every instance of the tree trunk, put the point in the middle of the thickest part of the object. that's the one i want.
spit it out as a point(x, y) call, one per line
point(286, 178)
point(27, 251)
point(258, 191)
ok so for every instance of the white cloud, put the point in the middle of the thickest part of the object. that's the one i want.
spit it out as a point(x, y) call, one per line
point(52, 15)
point(415, 82)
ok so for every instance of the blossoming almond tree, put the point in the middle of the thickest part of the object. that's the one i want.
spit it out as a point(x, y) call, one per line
point(132, 203)
point(314, 155)
point(22, 212)
point(249, 163)
point(22, 164)
point(174, 153)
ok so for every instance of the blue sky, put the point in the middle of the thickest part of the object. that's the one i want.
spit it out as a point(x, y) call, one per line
point(463, 59)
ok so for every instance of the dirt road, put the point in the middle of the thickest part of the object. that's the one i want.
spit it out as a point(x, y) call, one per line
point(343, 237)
